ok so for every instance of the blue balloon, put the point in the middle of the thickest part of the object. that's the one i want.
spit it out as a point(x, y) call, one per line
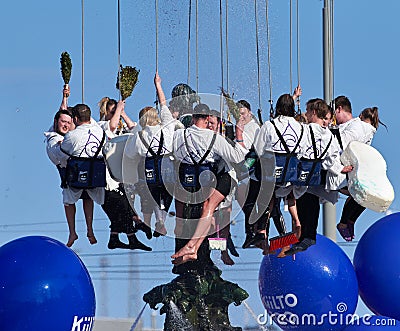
point(44, 286)
point(315, 291)
point(374, 323)
point(377, 264)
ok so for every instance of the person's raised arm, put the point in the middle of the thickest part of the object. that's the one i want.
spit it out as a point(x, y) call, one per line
point(64, 101)
point(239, 132)
point(297, 93)
point(115, 118)
point(130, 124)
point(160, 92)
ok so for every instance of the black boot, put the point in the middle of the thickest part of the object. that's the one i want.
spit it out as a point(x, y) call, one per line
point(248, 240)
point(114, 242)
point(142, 226)
point(231, 246)
point(134, 243)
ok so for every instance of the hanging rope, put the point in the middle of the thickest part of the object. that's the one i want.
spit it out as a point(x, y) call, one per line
point(156, 14)
point(227, 50)
point(197, 45)
point(258, 57)
point(331, 66)
point(290, 47)
point(188, 43)
point(221, 106)
point(298, 54)
point(156, 9)
point(119, 47)
point(83, 52)
point(271, 102)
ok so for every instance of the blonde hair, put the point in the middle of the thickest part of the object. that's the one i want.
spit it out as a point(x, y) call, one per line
point(372, 115)
point(148, 116)
point(104, 105)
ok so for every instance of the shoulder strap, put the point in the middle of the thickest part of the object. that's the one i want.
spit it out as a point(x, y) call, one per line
point(299, 140)
point(281, 137)
point(149, 149)
point(315, 146)
point(100, 146)
point(283, 140)
point(205, 154)
point(336, 133)
point(326, 149)
point(97, 152)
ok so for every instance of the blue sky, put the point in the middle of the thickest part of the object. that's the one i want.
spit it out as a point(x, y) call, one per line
point(34, 34)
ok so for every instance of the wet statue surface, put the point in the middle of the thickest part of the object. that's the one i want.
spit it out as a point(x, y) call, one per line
point(198, 298)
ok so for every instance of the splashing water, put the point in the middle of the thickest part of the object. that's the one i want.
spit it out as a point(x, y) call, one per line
point(178, 319)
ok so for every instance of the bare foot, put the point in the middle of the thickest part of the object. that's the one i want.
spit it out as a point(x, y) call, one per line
point(186, 253)
point(71, 239)
point(283, 251)
point(92, 239)
point(226, 258)
point(185, 250)
point(185, 258)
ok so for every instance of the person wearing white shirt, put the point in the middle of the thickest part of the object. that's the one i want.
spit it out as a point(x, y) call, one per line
point(350, 129)
point(190, 146)
point(55, 135)
point(156, 135)
point(84, 141)
point(222, 214)
point(268, 143)
point(116, 205)
point(63, 123)
point(307, 204)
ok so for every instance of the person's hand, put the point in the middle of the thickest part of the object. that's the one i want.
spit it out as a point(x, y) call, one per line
point(347, 169)
point(239, 129)
point(157, 79)
point(120, 106)
point(240, 124)
point(66, 91)
point(297, 92)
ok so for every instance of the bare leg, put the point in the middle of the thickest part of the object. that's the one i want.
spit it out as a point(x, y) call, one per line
point(296, 226)
point(241, 193)
point(147, 219)
point(263, 230)
point(161, 215)
point(88, 207)
point(178, 219)
point(189, 251)
point(70, 211)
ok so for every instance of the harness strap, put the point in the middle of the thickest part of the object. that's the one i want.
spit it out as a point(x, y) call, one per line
point(336, 133)
point(157, 155)
point(288, 152)
point(149, 149)
point(316, 158)
point(197, 164)
point(92, 157)
point(205, 154)
point(282, 140)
